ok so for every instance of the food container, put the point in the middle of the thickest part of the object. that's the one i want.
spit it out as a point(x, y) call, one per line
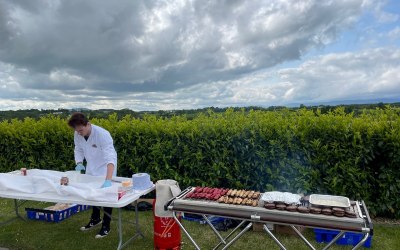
point(64, 181)
point(23, 171)
point(126, 183)
point(281, 197)
point(329, 200)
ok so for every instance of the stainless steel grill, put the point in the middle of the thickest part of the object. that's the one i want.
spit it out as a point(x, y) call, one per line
point(361, 223)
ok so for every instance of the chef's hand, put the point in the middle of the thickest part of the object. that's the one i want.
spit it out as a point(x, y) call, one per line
point(106, 184)
point(79, 167)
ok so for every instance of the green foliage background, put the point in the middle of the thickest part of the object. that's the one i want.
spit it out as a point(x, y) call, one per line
point(357, 156)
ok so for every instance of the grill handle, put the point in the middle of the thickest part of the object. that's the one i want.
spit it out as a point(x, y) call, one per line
point(183, 193)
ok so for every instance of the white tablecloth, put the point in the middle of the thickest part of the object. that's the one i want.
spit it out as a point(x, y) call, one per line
point(44, 185)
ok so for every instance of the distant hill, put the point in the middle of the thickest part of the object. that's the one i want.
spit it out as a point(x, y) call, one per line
point(349, 102)
point(189, 113)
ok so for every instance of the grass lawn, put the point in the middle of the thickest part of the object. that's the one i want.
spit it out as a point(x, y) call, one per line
point(32, 234)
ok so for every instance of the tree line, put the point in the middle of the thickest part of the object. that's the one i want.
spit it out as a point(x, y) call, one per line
point(188, 113)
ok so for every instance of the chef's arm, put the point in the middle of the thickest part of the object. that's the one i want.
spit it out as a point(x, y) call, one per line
point(78, 150)
point(110, 171)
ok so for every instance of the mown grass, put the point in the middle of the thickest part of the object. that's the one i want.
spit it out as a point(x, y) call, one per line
point(30, 234)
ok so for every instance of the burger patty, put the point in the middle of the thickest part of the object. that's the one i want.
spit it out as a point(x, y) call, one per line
point(303, 210)
point(315, 210)
point(327, 211)
point(291, 208)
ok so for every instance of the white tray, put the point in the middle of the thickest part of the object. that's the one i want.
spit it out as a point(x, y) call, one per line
point(329, 200)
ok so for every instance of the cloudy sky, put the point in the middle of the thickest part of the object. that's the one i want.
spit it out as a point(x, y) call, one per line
point(183, 54)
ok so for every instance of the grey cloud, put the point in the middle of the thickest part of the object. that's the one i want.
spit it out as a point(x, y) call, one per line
point(367, 74)
point(140, 46)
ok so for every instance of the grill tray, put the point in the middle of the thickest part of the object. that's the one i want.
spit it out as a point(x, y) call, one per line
point(329, 200)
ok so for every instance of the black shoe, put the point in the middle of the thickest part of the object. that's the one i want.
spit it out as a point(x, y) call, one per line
point(104, 231)
point(92, 223)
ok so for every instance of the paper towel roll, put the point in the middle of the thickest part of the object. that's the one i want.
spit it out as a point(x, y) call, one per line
point(141, 181)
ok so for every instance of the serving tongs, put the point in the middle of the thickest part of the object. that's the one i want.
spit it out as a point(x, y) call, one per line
point(180, 195)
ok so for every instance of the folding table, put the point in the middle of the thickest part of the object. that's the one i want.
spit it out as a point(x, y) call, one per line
point(131, 197)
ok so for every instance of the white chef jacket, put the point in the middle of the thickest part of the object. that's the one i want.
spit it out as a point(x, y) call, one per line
point(98, 151)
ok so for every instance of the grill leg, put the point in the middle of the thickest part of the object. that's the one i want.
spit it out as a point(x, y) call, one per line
point(361, 242)
point(274, 238)
point(229, 235)
point(185, 231)
point(302, 237)
point(334, 240)
point(238, 236)
point(215, 230)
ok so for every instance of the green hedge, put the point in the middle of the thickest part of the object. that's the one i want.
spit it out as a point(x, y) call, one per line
point(302, 151)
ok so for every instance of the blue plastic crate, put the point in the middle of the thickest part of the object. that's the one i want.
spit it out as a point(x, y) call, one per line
point(54, 215)
point(198, 218)
point(353, 239)
point(193, 217)
point(349, 238)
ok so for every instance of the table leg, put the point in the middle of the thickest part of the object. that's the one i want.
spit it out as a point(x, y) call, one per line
point(137, 229)
point(16, 210)
point(16, 206)
point(137, 219)
point(119, 229)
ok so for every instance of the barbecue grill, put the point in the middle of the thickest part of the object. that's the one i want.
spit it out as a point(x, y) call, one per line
point(361, 223)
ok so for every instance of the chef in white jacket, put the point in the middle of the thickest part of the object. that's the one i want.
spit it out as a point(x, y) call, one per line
point(94, 144)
